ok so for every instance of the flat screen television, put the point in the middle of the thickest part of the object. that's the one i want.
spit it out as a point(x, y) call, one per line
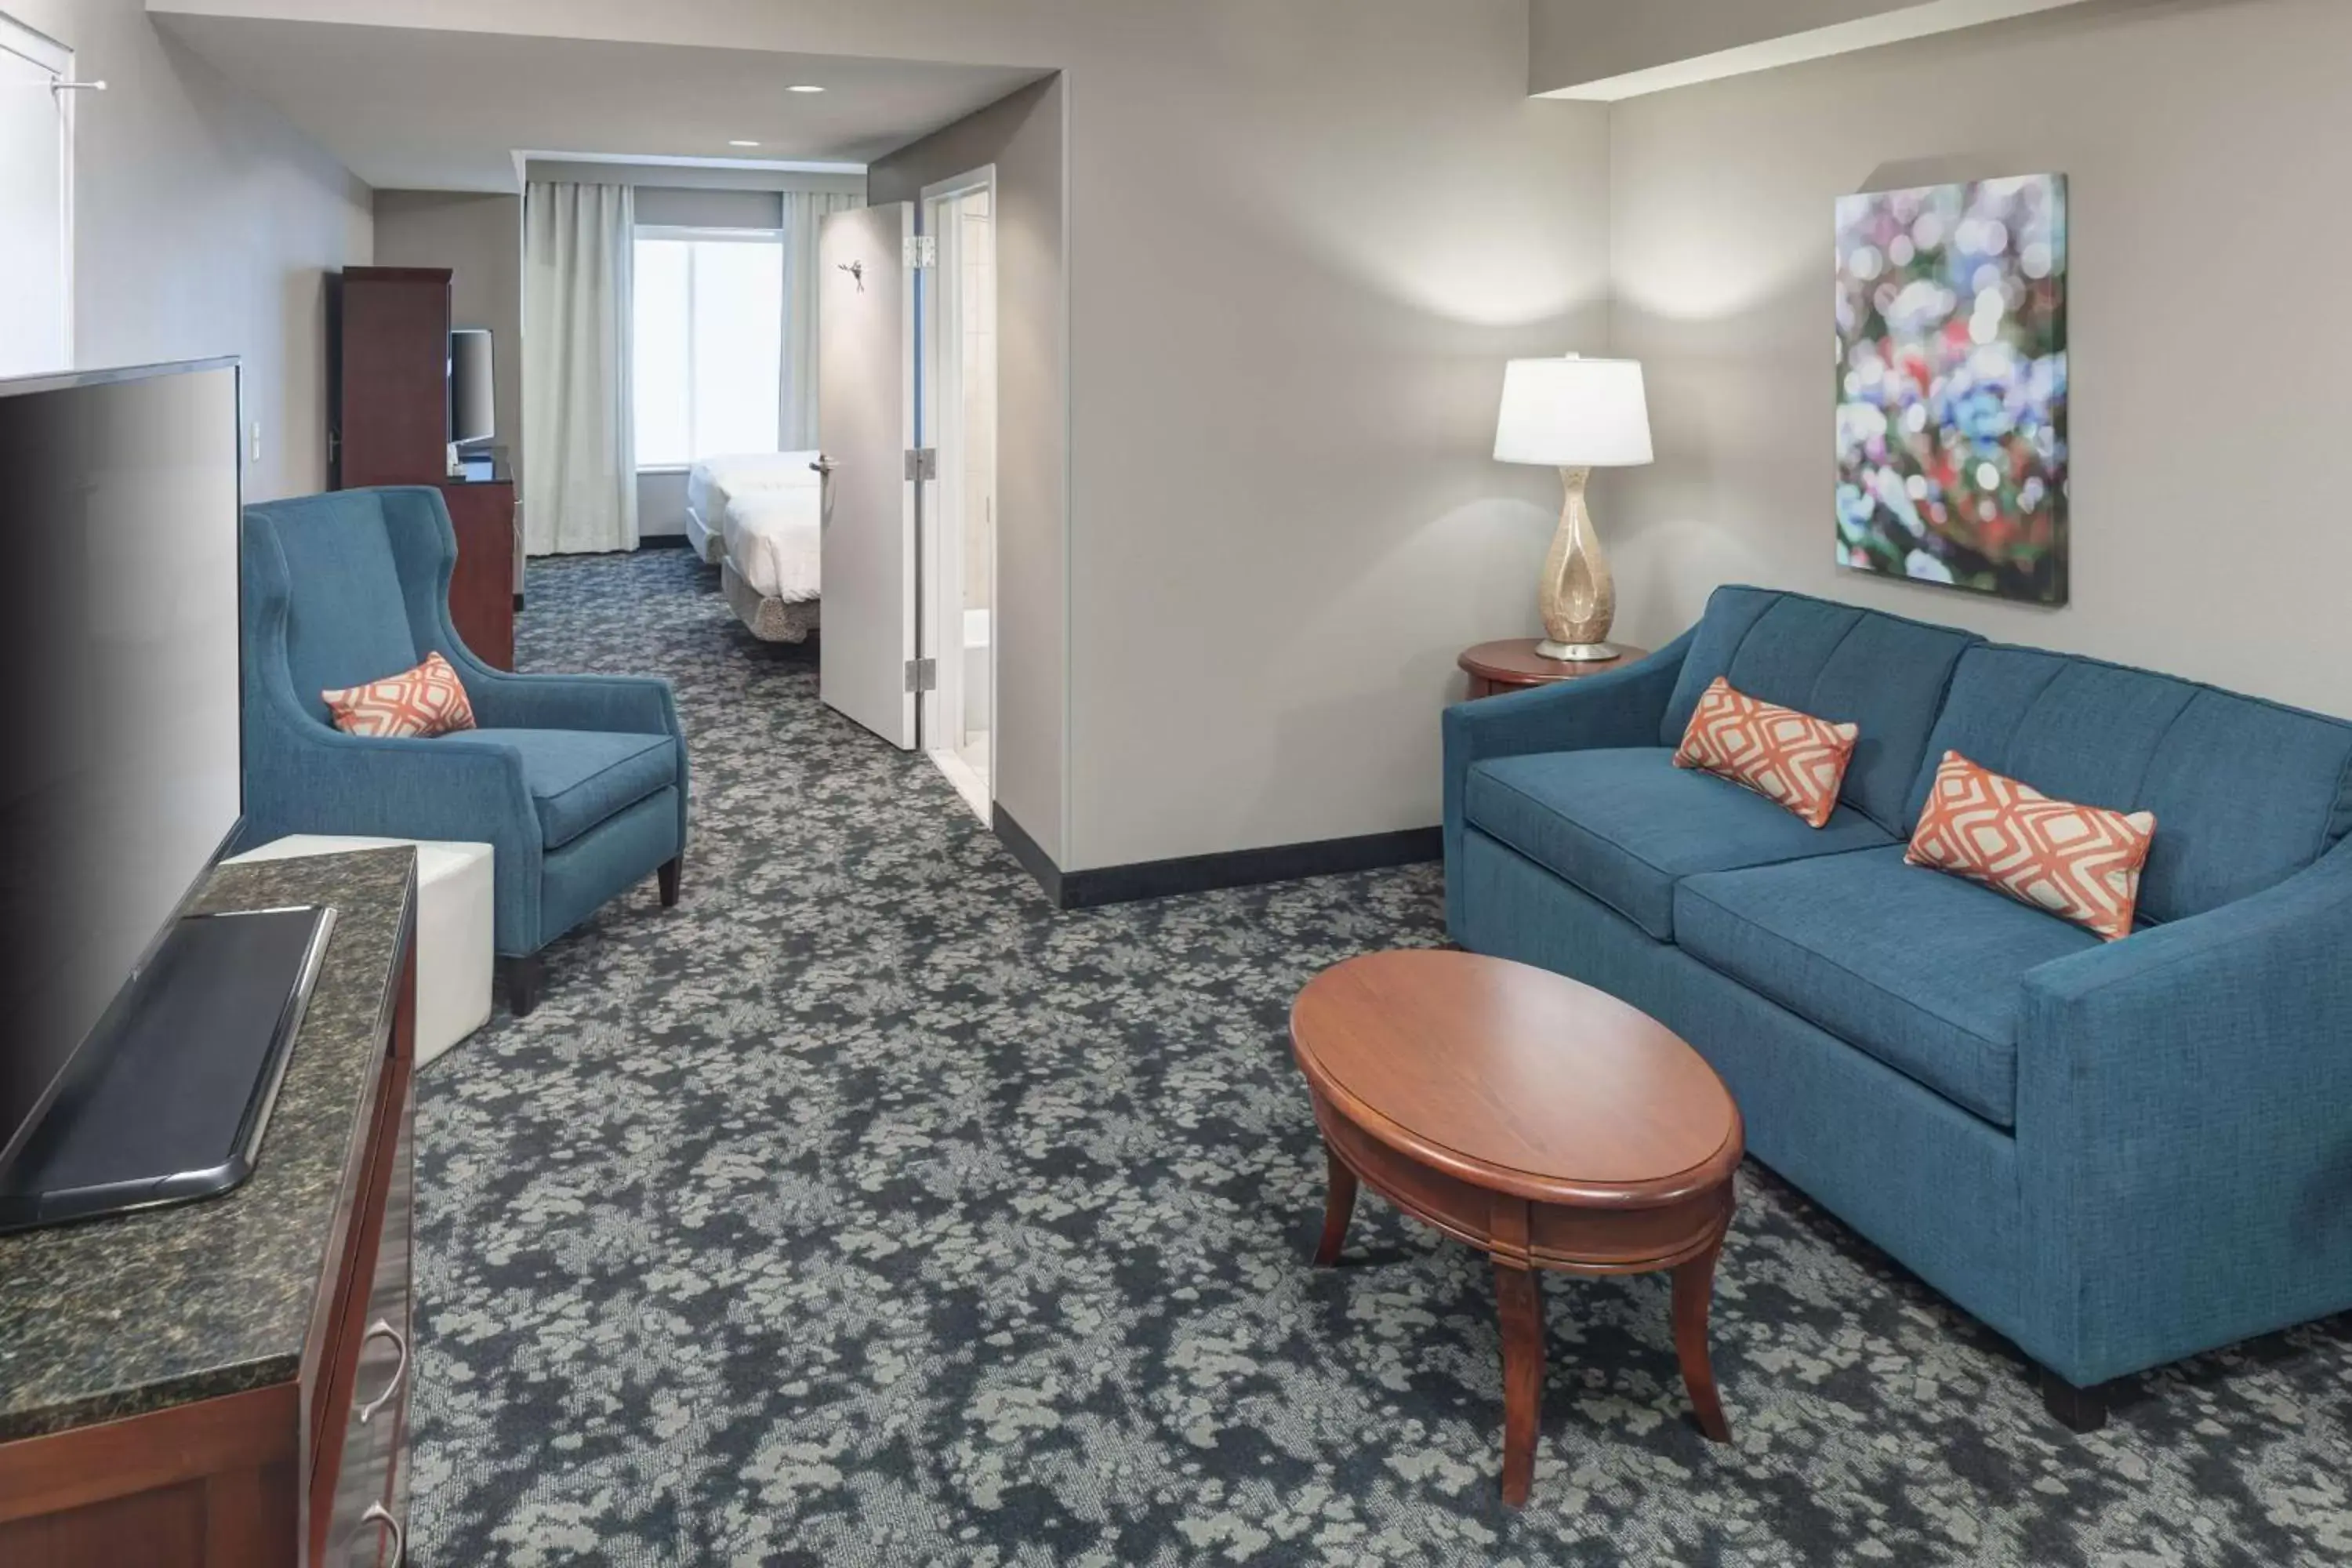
point(120, 494)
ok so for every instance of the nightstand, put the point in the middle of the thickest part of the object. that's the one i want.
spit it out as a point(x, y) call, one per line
point(1498, 666)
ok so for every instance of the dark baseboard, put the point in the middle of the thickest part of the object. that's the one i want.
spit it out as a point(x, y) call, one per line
point(1206, 873)
point(1032, 856)
point(663, 541)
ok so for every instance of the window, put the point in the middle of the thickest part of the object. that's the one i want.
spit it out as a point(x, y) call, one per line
point(708, 330)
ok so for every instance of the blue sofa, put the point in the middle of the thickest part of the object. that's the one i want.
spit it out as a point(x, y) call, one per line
point(2115, 1155)
point(578, 782)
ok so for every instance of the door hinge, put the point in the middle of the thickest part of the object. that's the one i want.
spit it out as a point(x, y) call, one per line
point(922, 675)
point(922, 462)
point(922, 251)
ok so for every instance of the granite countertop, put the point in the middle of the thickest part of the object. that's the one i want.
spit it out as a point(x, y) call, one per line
point(116, 1317)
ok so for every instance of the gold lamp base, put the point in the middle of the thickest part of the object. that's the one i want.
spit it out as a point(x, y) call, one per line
point(1580, 597)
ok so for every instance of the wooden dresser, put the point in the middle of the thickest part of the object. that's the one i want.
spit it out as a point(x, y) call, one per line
point(226, 1383)
point(388, 424)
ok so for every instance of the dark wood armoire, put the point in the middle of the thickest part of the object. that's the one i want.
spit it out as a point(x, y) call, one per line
point(388, 424)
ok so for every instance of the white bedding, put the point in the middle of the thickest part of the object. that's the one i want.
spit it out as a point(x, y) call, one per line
point(773, 541)
point(711, 483)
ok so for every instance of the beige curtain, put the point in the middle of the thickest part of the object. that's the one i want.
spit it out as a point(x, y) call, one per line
point(580, 483)
point(803, 210)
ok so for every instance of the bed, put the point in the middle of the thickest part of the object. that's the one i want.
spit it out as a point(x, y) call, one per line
point(713, 482)
point(770, 559)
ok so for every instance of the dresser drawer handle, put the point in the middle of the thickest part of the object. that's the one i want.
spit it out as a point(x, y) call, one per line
point(379, 1514)
point(380, 1329)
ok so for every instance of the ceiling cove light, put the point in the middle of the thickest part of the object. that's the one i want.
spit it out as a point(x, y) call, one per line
point(804, 87)
point(739, 142)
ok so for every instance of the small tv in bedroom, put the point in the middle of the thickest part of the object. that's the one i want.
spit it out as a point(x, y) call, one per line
point(131, 1070)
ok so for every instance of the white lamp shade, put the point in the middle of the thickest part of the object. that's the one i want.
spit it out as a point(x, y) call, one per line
point(1573, 413)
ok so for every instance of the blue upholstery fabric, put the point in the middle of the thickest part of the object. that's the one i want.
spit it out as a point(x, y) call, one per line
point(1880, 672)
point(345, 622)
point(1625, 825)
point(1619, 709)
point(2184, 1119)
point(1922, 970)
point(2245, 792)
point(354, 585)
point(2115, 1153)
point(1931, 1183)
point(577, 778)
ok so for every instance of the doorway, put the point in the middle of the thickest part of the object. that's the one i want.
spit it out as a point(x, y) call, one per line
point(957, 316)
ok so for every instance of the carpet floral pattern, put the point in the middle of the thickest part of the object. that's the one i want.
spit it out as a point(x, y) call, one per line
point(866, 1210)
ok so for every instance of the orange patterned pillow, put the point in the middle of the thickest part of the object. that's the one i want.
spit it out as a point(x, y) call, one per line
point(2081, 863)
point(1785, 757)
point(427, 701)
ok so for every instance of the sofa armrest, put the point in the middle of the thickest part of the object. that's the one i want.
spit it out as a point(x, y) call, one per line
point(2184, 1126)
point(1623, 708)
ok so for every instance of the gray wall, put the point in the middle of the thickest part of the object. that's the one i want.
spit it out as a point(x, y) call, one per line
point(2209, 147)
point(479, 239)
point(205, 224)
point(1023, 136)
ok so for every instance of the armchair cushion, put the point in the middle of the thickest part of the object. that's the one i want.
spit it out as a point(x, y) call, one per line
point(1924, 971)
point(578, 778)
point(1625, 825)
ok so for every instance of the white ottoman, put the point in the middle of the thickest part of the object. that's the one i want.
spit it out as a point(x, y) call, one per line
point(455, 929)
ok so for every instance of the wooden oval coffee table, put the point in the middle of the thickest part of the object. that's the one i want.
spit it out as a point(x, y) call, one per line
point(1535, 1117)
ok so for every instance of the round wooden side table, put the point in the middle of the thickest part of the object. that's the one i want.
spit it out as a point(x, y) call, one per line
point(1543, 1122)
point(1508, 666)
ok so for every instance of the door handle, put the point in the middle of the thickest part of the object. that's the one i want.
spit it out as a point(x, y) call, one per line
point(380, 1329)
point(824, 465)
point(379, 1514)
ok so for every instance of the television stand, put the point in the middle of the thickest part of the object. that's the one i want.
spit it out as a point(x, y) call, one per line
point(168, 1099)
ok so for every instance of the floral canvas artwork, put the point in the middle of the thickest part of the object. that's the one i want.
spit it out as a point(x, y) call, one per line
point(1952, 344)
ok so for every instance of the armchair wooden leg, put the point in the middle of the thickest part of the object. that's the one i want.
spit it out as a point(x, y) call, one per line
point(524, 977)
point(668, 878)
point(2076, 1409)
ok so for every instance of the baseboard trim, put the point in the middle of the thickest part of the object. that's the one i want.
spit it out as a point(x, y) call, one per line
point(1029, 852)
point(1105, 885)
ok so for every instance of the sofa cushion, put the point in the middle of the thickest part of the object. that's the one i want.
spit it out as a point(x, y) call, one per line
point(1922, 971)
point(1792, 759)
point(2081, 863)
point(1880, 672)
point(577, 778)
point(1625, 825)
point(2245, 792)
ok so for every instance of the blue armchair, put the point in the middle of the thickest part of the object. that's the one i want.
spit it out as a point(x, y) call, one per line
point(578, 782)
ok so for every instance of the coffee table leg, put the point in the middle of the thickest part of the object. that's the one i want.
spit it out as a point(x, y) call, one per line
point(1694, 1289)
point(1521, 1306)
point(1338, 1207)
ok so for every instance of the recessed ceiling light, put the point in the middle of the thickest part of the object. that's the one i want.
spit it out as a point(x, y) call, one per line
point(804, 87)
point(739, 143)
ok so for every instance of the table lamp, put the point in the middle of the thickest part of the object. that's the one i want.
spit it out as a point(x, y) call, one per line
point(1575, 415)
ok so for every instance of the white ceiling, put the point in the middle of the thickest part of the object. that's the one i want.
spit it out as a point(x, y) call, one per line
point(427, 110)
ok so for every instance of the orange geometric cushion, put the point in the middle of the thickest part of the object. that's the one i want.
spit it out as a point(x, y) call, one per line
point(1787, 757)
point(427, 701)
point(2082, 863)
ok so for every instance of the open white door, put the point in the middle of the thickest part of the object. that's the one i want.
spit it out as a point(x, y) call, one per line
point(35, 201)
point(866, 423)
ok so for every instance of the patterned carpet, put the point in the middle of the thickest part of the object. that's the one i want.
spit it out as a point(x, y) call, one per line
point(865, 1210)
